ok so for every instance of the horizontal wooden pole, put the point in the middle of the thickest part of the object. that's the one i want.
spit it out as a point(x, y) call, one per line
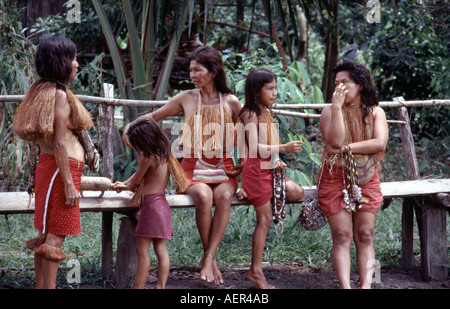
point(146, 103)
point(17, 202)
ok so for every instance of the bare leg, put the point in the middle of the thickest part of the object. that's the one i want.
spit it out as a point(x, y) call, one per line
point(223, 195)
point(163, 262)
point(203, 199)
point(143, 266)
point(364, 224)
point(49, 268)
point(39, 277)
point(341, 233)
point(264, 220)
point(38, 272)
point(294, 192)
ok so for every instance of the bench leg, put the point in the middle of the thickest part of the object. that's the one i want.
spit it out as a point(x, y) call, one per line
point(433, 241)
point(407, 233)
point(107, 250)
point(126, 260)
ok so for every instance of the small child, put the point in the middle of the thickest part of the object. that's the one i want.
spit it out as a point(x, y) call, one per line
point(256, 177)
point(155, 165)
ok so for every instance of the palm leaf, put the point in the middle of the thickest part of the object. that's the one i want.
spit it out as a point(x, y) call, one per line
point(125, 90)
point(137, 61)
point(163, 80)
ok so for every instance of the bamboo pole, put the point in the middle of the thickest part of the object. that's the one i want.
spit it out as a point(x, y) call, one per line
point(160, 103)
point(276, 108)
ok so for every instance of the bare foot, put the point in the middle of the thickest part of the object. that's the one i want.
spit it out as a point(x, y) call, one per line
point(217, 274)
point(207, 272)
point(211, 273)
point(160, 286)
point(259, 279)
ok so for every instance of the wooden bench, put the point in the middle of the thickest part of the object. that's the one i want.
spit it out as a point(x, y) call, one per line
point(430, 198)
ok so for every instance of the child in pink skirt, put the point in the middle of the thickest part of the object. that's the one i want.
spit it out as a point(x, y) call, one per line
point(155, 165)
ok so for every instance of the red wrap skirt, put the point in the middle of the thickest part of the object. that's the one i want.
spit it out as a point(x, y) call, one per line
point(51, 215)
point(257, 182)
point(331, 197)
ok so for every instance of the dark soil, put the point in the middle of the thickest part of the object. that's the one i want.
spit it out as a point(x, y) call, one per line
point(292, 277)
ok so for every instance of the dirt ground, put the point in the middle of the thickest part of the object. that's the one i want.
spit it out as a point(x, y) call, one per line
point(292, 277)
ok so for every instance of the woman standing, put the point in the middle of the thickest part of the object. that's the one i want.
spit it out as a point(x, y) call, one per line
point(354, 130)
point(51, 115)
point(207, 110)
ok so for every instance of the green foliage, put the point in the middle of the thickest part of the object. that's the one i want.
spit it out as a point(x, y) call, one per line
point(16, 74)
point(410, 51)
point(15, 53)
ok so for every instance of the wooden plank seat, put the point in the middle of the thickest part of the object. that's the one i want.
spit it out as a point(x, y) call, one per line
point(98, 201)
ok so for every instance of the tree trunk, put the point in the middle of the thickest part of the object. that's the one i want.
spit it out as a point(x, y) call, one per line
point(34, 9)
point(331, 52)
point(275, 36)
point(302, 34)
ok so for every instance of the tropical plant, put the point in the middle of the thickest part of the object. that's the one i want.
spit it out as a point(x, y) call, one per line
point(16, 74)
point(142, 42)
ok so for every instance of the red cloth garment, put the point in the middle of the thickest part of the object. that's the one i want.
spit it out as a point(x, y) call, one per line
point(188, 165)
point(331, 197)
point(257, 182)
point(58, 218)
point(155, 217)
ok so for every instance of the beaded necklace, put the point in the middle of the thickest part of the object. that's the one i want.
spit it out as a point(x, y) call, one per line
point(353, 199)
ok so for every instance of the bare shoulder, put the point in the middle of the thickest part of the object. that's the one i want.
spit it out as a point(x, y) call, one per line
point(326, 110)
point(233, 103)
point(232, 100)
point(182, 102)
point(187, 94)
point(185, 99)
point(378, 111)
point(325, 114)
point(250, 117)
point(62, 106)
point(61, 97)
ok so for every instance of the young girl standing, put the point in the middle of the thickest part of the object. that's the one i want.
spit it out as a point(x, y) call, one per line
point(155, 165)
point(260, 94)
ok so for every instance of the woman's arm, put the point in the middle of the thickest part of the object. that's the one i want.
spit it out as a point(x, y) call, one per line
point(332, 119)
point(235, 106)
point(376, 144)
point(62, 111)
point(173, 107)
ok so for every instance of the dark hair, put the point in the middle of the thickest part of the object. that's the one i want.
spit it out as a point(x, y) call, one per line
point(147, 138)
point(361, 76)
point(254, 83)
point(54, 58)
point(211, 59)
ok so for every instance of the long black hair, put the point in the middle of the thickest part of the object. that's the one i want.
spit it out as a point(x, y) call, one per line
point(361, 76)
point(53, 59)
point(147, 138)
point(256, 79)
